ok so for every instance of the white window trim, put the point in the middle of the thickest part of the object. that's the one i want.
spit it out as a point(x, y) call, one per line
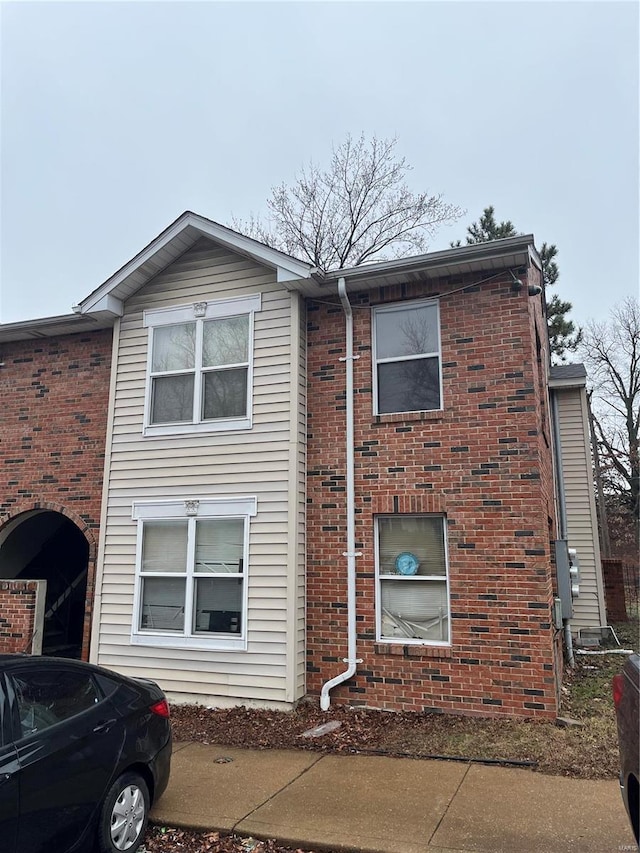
point(410, 641)
point(200, 311)
point(244, 507)
point(375, 361)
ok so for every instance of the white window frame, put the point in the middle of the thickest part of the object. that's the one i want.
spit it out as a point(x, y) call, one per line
point(375, 361)
point(198, 313)
point(243, 508)
point(380, 577)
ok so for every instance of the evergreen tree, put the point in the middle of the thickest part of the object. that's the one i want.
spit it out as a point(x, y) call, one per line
point(563, 335)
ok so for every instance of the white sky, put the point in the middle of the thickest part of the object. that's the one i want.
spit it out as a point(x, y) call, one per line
point(116, 117)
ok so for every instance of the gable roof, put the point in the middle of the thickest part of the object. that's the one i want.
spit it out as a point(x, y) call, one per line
point(568, 375)
point(101, 307)
point(109, 297)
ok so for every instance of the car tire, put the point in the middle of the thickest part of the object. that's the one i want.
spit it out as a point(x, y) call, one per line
point(124, 815)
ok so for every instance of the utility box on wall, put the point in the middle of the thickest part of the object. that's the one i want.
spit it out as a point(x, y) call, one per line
point(574, 573)
point(563, 571)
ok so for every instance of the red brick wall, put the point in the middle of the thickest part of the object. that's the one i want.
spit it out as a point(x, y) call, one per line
point(53, 407)
point(614, 591)
point(17, 615)
point(484, 462)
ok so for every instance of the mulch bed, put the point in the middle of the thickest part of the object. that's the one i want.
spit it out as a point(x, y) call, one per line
point(542, 746)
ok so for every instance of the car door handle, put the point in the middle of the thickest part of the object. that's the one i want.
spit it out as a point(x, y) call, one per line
point(104, 726)
point(4, 777)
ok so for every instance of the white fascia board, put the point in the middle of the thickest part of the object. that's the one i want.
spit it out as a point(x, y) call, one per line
point(283, 275)
point(109, 304)
point(575, 382)
point(117, 278)
point(46, 327)
point(463, 255)
point(287, 268)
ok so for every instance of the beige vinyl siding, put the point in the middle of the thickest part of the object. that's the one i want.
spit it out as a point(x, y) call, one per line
point(297, 518)
point(582, 530)
point(266, 461)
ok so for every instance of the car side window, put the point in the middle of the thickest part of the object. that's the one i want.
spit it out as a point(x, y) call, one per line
point(45, 698)
point(108, 686)
point(4, 713)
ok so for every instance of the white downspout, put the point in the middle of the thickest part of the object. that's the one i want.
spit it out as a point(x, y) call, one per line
point(562, 511)
point(350, 553)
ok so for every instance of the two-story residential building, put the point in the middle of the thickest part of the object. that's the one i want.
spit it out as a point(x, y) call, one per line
point(335, 483)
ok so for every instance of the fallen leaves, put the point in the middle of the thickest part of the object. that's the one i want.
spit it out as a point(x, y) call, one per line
point(161, 839)
point(590, 752)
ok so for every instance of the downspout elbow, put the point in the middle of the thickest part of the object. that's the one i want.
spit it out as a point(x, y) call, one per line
point(325, 699)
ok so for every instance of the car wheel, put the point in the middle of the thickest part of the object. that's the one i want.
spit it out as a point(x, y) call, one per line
point(124, 813)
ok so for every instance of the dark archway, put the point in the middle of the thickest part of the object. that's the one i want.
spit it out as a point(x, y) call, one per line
point(43, 544)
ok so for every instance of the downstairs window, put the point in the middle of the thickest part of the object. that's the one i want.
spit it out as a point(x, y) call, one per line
point(191, 575)
point(412, 579)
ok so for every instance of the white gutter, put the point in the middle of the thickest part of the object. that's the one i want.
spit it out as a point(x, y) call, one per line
point(350, 553)
point(518, 250)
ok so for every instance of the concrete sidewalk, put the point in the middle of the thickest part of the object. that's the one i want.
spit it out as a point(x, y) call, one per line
point(375, 804)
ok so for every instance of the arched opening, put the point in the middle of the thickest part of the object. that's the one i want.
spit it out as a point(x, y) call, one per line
point(45, 545)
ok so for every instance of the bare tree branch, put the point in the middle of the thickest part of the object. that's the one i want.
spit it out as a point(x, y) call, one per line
point(611, 350)
point(356, 209)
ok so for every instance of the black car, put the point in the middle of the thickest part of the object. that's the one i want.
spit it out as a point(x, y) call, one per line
point(626, 699)
point(84, 752)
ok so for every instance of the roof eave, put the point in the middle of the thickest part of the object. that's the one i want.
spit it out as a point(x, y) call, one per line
point(445, 257)
point(568, 376)
point(168, 246)
point(48, 327)
point(566, 384)
point(574, 382)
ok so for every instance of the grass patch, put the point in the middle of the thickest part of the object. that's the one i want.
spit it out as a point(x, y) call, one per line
point(588, 750)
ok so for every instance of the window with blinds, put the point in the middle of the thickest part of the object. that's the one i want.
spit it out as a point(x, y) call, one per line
point(412, 576)
point(192, 577)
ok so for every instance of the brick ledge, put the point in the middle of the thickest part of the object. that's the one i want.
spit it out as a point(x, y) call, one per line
point(399, 650)
point(408, 417)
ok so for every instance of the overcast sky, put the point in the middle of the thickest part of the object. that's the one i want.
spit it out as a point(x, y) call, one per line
point(116, 117)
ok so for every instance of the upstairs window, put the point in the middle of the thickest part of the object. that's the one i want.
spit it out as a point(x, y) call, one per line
point(406, 341)
point(200, 367)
